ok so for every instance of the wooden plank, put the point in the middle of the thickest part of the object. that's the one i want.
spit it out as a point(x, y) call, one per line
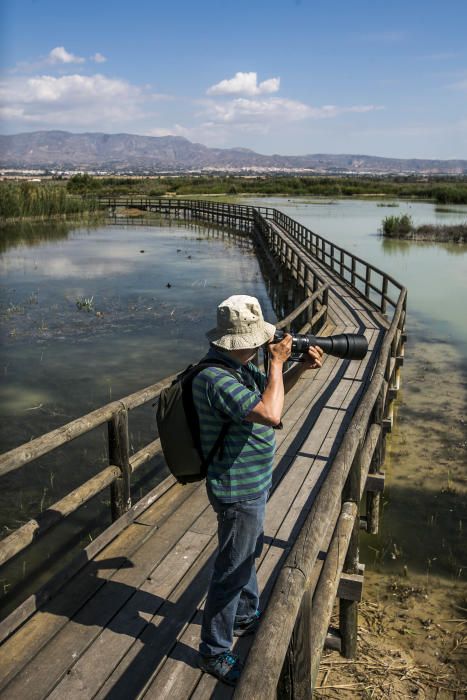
point(53, 660)
point(150, 649)
point(99, 660)
point(302, 414)
point(34, 634)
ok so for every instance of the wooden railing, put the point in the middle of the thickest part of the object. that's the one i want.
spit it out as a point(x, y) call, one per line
point(305, 587)
point(378, 287)
point(297, 617)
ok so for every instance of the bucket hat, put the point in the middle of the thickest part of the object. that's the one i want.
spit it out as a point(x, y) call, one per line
point(240, 324)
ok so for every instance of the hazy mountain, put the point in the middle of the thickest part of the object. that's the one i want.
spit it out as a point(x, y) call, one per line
point(127, 152)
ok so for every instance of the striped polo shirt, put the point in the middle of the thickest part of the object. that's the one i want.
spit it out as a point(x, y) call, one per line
point(244, 469)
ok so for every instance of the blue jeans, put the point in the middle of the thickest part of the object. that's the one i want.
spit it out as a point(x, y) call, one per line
point(233, 592)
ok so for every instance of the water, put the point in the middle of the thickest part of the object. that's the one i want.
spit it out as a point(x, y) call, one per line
point(59, 362)
point(424, 505)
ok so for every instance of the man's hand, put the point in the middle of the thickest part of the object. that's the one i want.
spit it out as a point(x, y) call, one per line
point(312, 359)
point(280, 352)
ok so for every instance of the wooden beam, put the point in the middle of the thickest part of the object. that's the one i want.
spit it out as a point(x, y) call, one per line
point(375, 482)
point(326, 590)
point(350, 587)
point(45, 592)
point(119, 454)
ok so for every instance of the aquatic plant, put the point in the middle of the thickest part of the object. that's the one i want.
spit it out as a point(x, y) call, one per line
point(402, 227)
point(85, 303)
point(15, 309)
point(397, 226)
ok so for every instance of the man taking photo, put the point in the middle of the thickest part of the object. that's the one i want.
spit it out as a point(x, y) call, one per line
point(239, 477)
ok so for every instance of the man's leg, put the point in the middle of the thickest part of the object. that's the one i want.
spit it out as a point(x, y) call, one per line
point(240, 527)
point(249, 597)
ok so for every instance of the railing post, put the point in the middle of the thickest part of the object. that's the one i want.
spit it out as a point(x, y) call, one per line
point(373, 500)
point(295, 679)
point(367, 281)
point(384, 292)
point(325, 302)
point(314, 309)
point(348, 609)
point(119, 455)
point(354, 262)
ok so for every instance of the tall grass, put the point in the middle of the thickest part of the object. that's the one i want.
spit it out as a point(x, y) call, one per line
point(28, 199)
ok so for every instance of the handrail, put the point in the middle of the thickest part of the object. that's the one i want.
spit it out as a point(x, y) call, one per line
point(319, 247)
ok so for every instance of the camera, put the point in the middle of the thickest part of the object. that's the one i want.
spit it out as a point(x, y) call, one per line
point(350, 346)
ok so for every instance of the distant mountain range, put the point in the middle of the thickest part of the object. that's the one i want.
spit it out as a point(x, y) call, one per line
point(125, 153)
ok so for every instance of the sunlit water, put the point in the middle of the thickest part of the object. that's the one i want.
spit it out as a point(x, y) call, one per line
point(59, 361)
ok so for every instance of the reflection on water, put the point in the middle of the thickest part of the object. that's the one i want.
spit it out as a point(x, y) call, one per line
point(32, 233)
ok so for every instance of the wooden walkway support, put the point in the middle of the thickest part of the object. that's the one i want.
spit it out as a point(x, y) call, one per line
point(121, 620)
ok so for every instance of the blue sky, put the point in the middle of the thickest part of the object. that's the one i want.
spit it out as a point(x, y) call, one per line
point(277, 76)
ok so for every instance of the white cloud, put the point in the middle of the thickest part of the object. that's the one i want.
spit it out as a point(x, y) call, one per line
point(60, 55)
point(244, 84)
point(98, 58)
point(175, 130)
point(243, 110)
point(73, 101)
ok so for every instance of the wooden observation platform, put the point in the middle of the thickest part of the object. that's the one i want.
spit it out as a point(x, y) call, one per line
point(122, 620)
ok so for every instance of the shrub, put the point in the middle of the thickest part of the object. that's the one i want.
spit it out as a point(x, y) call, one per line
point(397, 226)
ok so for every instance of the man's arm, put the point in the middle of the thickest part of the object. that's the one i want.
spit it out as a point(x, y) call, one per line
point(269, 410)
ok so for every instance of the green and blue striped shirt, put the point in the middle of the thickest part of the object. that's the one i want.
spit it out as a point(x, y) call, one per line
point(244, 469)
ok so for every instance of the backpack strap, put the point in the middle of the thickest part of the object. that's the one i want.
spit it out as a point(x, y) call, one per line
point(192, 414)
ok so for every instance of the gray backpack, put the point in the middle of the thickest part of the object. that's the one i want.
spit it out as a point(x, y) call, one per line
point(179, 429)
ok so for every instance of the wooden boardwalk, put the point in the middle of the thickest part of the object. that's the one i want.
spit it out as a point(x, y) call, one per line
point(126, 624)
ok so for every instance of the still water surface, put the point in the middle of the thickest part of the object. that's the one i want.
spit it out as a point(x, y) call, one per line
point(59, 362)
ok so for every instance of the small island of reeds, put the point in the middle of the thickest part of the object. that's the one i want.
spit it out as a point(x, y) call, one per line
point(402, 227)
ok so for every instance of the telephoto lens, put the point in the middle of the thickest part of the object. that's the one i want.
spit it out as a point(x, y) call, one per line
point(350, 346)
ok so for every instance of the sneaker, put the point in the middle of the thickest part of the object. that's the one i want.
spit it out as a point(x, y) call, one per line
point(248, 627)
point(226, 666)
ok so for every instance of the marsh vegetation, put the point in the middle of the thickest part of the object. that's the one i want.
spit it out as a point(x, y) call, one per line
point(77, 195)
point(403, 227)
